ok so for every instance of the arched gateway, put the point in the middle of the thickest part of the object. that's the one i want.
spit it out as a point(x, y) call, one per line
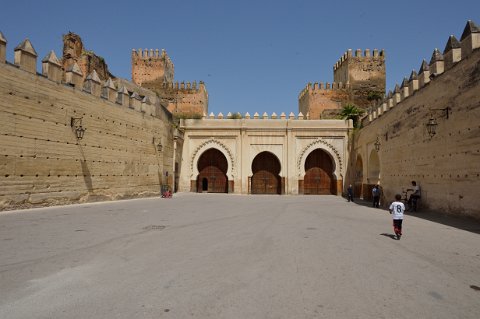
point(319, 179)
point(212, 172)
point(264, 156)
point(266, 179)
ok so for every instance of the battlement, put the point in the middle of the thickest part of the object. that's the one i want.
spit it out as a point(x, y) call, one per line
point(348, 56)
point(73, 78)
point(151, 68)
point(151, 54)
point(184, 86)
point(454, 52)
point(256, 116)
point(321, 86)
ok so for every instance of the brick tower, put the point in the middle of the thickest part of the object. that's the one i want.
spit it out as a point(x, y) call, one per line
point(155, 71)
point(151, 69)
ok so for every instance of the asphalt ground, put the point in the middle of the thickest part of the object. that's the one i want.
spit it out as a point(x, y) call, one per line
point(234, 256)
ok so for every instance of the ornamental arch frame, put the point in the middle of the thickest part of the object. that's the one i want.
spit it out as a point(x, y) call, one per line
point(272, 151)
point(203, 147)
point(327, 148)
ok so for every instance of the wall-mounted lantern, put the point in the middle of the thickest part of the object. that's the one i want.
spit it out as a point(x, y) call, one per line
point(76, 124)
point(377, 144)
point(157, 142)
point(431, 126)
point(432, 122)
point(159, 146)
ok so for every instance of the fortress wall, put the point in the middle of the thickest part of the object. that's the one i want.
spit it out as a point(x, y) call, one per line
point(446, 165)
point(43, 163)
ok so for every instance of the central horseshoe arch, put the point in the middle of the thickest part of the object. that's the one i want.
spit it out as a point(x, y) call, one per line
point(266, 178)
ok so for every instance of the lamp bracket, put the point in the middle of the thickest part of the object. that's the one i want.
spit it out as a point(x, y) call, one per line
point(446, 111)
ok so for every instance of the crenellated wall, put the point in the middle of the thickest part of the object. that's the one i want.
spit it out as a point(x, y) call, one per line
point(446, 164)
point(42, 162)
point(315, 99)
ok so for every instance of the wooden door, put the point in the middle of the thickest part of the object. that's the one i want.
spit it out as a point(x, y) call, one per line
point(318, 178)
point(265, 178)
point(212, 168)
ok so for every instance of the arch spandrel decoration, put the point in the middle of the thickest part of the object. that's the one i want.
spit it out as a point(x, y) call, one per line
point(324, 145)
point(212, 143)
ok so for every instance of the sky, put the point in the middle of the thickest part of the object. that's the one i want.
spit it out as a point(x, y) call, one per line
point(254, 56)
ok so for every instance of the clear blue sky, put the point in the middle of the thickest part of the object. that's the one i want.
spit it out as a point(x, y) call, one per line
point(254, 56)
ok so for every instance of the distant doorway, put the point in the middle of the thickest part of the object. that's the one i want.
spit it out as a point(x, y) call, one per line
point(266, 179)
point(319, 178)
point(212, 168)
point(204, 184)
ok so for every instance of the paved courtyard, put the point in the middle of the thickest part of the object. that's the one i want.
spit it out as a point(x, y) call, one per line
point(233, 256)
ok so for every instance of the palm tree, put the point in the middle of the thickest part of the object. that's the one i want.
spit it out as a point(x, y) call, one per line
point(351, 112)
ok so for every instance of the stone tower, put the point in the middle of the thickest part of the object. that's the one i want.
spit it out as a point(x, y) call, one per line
point(155, 71)
point(358, 79)
point(364, 73)
point(151, 69)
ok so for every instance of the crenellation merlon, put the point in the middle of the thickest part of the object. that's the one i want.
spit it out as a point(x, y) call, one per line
point(470, 39)
point(25, 56)
point(51, 67)
point(437, 62)
point(452, 52)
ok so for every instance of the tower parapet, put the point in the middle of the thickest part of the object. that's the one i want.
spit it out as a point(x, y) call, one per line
point(315, 98)
point(364, 72)
point(151, 68)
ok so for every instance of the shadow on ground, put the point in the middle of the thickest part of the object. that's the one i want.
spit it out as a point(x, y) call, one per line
point(392, 236)
point(461, 222)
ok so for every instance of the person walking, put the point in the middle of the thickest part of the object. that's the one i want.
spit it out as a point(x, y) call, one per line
point(397, 208)
point(350, 193)
point(376, 196)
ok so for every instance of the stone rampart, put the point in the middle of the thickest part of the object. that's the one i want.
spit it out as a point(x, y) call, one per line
point(126, 150)
point(445, 163)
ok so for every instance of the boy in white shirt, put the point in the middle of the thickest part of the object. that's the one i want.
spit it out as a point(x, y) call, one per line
point(397, 208)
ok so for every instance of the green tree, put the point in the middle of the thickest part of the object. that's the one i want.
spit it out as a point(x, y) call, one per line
point(351, 112)
point(374, 96)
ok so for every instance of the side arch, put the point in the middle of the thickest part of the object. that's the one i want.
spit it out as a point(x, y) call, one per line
point(329, 149)
point(212, 143)
point(334, 155)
